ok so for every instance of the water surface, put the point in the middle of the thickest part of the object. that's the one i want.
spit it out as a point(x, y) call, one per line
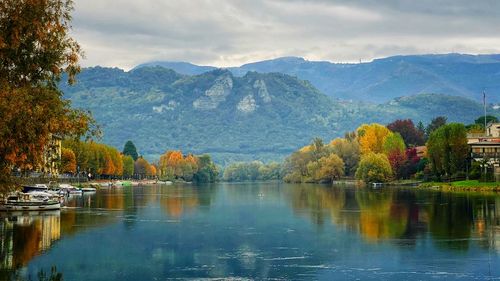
point(265, 231)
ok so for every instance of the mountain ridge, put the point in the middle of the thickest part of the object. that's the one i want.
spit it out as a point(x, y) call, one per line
point(260, 116)
point(383, 79)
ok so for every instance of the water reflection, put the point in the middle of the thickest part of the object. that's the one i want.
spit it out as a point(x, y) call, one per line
point(26, 235)
point(259, 230)
point(453, 220)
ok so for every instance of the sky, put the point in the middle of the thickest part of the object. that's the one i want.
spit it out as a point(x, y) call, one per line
point(125, 33)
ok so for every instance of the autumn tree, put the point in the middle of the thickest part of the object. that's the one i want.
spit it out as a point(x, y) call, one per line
point(141, 168)
point(395, 150)
point(68, 161)
point(374, 167)
point(410, 134)
point(129, 149)
point(35, 50)
point(371, 137)
point(348, 150)
point(326, 169)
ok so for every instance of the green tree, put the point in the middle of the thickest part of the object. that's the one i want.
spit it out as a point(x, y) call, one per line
point(489, 119)
point(207, 170)
point(129, 149)
point(435, 124)
point(374, 167)
point(128, 166)
point(447, 149)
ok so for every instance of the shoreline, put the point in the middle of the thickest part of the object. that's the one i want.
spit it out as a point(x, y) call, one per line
point(462, 186)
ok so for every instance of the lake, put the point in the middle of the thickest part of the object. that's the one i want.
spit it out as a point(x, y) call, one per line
point(264, 231)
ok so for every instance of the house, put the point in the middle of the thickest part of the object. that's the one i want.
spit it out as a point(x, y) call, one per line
point(421, 151)
point(493, 130)
point(487, 149)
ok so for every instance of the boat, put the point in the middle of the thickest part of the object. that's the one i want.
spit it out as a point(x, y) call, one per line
point(36, 187)
point(34, 201)
point(89, 189)
point(69, 189)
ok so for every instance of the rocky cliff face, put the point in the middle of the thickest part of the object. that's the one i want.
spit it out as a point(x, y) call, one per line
point(216, 94)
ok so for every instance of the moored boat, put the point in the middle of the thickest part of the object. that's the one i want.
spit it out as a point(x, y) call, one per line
point(69, 189)
point(35, 201)
point(89, 189)
point(36, 187)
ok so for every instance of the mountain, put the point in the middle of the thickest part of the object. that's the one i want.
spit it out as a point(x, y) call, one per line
point(384, 79)
point(179, 66)
point(256, 116)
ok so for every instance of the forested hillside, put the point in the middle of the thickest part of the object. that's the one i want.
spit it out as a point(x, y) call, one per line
point(256, 116)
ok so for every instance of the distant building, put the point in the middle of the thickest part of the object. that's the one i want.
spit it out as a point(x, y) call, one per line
point(493, 130)
point(487, 149)
point(51, 156)
point(421, 151)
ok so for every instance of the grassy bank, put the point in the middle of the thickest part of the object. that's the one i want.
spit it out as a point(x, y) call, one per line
point(467, 185)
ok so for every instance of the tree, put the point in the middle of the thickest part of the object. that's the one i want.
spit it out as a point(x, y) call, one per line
point(447, 149)
point(141, 168)
point(129, 149)
point(371, 137)
point(128, 166)
point(374, 167)
point(489, 119)
point(331, 167)
point(410, 134)
point(348, 150)
point(411, 164)
point(68, 161)
point(207, 171)
point(435, 124)
point(394, 148)
point(35, 49)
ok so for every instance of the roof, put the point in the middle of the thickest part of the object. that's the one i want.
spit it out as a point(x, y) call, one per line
point(489, 143)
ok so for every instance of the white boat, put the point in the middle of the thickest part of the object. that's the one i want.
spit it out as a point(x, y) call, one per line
point(36, 187)
point(34, 201)
point(89, 189)
point(69, 189)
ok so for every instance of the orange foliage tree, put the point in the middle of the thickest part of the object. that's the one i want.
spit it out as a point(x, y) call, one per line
point(173, 165)
point(35, 49)
point(68, 161)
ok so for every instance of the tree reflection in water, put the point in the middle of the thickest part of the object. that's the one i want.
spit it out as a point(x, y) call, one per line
point(392, 213)
point(253, 229)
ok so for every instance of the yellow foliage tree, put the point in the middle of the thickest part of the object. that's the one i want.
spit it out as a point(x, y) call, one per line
point(371, 138)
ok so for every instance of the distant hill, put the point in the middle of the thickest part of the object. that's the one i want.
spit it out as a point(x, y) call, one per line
point(255, 116)
point(384, 79)
point(179, 66)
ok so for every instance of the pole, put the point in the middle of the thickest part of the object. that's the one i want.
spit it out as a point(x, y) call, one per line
point(484, 104)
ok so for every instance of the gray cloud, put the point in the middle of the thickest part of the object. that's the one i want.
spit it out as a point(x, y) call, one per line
point(230, 32)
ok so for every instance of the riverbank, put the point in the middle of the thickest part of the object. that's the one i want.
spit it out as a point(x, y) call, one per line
point(466, 185)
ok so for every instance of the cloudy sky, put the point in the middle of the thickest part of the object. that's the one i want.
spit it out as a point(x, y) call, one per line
point(124, 33)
